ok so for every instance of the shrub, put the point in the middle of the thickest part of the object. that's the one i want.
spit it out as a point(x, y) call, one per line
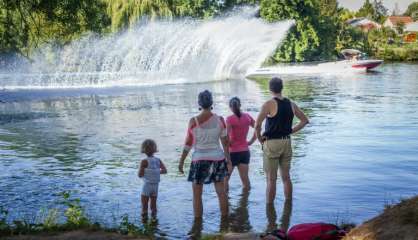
point(74, 212)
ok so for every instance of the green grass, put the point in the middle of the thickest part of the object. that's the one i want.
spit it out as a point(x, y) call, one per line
point(76, 219)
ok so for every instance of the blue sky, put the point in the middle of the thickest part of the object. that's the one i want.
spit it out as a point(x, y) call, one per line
point(390, 4)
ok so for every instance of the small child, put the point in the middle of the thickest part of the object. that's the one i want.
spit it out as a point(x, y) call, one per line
point(150, 170)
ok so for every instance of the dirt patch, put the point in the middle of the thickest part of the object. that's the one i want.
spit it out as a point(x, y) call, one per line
point(398, 222)
point(76, 235)
point(240, 236)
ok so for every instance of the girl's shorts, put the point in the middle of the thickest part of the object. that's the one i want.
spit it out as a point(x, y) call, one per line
point(150, 190)
point(238, 158)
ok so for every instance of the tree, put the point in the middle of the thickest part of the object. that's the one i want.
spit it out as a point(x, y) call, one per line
point(348, 36)
point(125, 13)
point(328, 27)
point(380, 11)
point(344, 15)
point(305, 40)
point(412, 11)
point(381, 37)
point(400, 26)
point(367, 10)
point(27, 24)
point(375, 11)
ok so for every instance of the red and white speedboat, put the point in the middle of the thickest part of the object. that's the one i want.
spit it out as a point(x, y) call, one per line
point(366, 64)
point(354, 59)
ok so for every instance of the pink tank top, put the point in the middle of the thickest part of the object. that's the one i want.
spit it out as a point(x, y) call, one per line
point(238, 128)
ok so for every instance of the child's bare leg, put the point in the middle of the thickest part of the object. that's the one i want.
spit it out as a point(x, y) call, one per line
point(144, 201)
point(153, 206)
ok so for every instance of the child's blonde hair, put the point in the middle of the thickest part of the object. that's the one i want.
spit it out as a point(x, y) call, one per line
point(149, 147)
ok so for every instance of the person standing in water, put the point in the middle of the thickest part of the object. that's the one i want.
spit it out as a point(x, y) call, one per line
point(277, 149)
point(238, 125)
point(149, 170)
point(210, 160)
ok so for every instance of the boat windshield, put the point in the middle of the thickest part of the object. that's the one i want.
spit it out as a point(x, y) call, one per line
point(352, 54)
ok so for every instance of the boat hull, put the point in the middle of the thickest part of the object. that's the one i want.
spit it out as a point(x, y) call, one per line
point(329, 67)
point(366, 64)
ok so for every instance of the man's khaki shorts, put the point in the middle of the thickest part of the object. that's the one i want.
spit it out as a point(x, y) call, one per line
point(277, 153)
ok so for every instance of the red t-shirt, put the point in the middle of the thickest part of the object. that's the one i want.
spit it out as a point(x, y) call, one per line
point(238, 130)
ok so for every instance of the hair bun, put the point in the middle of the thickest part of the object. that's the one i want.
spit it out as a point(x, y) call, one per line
point(205, 99)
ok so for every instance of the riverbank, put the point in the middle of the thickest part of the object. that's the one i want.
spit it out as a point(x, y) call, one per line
point(407, 52)
point(77, 234)
point(399, 221)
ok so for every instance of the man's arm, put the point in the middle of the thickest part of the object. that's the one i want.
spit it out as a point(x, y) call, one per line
point(303, 120)
point(259, 122)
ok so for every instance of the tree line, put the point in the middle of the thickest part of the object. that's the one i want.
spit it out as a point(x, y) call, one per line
point(319, 33)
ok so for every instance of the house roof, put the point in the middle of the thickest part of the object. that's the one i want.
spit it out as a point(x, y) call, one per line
point(411, 27)
point(396, 19)
point(356, 22)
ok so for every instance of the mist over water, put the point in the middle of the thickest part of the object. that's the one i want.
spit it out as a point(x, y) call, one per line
point(156, 52)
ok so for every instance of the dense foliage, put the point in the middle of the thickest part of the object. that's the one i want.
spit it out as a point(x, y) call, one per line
point(125, 13)
point(373, 10)
point(412, 11)
point(320, 29)
point(25, 24)
point(303, 40)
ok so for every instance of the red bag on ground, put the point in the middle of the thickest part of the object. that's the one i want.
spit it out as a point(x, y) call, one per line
point(315, 231)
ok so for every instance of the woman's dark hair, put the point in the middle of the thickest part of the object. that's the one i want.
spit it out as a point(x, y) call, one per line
point(235, 105)
point(276, 85)
point(205, 99)
point(149, 147)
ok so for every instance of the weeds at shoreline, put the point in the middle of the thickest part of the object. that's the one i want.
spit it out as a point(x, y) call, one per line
point(76, 219)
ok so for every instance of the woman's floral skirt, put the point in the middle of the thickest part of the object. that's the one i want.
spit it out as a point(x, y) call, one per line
point(206, 172)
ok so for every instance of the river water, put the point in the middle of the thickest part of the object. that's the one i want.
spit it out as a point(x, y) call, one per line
point(359, 153)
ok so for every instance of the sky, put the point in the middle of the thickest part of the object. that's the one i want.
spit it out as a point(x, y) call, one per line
point(390, 4)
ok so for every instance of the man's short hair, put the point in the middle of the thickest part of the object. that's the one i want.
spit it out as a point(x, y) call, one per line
point(276, 85)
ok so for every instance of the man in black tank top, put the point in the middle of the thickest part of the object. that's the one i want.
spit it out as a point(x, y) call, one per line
point(277, 149)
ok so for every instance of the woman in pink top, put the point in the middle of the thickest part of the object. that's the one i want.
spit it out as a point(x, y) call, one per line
point(238, 126)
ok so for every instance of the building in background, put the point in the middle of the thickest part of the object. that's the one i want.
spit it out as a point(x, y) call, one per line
point(394, 21)
point(364, 23)
point(411, 32)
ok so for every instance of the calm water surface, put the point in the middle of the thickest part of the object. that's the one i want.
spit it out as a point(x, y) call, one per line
point(359, 153)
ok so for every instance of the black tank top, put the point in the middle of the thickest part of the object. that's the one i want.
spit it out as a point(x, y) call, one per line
point(280, 125)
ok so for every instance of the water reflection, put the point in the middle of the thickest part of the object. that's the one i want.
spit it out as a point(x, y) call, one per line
point(286, 214)
point(196, 232)
point(285, 217)
point(239, 219)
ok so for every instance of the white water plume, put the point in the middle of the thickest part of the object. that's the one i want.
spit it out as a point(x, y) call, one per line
point(158, 52)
